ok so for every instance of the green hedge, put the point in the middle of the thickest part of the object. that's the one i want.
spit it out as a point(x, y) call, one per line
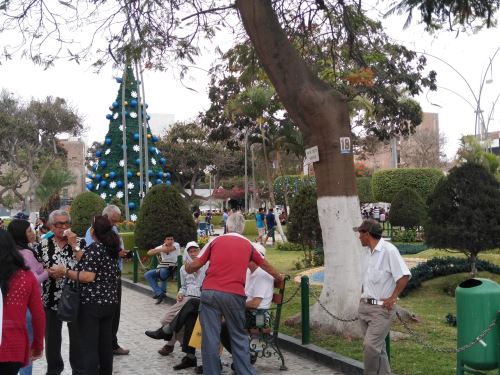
point(83, 209)
point(128, 240)
point(365, 192)
point(386, 183)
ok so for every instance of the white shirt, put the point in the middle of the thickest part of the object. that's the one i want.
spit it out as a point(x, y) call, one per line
point(172, 256)
point(259, 284)
point(381, 270)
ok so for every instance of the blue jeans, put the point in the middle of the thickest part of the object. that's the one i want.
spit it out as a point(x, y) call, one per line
point(152, 277)
point(213, 306)
point(29, 367)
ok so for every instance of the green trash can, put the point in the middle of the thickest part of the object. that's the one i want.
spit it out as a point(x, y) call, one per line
point(478, 301)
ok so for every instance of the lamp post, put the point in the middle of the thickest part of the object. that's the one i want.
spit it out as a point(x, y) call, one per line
point(246, 172)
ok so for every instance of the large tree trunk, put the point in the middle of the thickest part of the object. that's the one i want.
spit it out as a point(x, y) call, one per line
point(322, 115)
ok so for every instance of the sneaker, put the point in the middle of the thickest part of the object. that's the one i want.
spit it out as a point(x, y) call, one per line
point(186, 362)
point(166, 350)
point(160, 298)
point(120, 351)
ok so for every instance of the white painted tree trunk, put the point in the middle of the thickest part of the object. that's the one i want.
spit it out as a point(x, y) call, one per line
point(343, 258)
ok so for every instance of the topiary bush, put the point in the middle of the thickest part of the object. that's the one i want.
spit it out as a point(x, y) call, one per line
point(463, 212)
point(387, 183)
point(83, 209)
point(365, 193)
point(407, 209)
point(303, 223)
point(164, 211)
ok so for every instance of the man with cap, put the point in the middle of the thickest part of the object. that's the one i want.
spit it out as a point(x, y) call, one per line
point(385, 275)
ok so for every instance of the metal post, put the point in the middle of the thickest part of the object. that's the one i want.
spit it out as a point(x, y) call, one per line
point(246, 172)
point(179, 265)
point(304, 297)
point(136, 264)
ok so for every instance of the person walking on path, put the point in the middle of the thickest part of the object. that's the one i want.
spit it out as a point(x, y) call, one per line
point(261, 228)
point(114, 214)
point(223, 294)
point(20, 290)
point(53, 252)
point(271, 225)
point(385, 275)
point(167, 253)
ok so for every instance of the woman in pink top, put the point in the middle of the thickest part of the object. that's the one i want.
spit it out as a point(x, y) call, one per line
point(20, 290)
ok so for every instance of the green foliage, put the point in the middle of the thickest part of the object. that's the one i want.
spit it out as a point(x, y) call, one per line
point(291, 184)
point(303, 223)
point(365, 192)
point(52, 182)
point(473, 151)
point(53, 203)
point(405, 236)
point(128, 240)
point(163, 211)
point(386, 183)
point(289, 246)
point(437, 267)
point(463, 211)
point(84, 207)
point(407, 209)
point(409, 247)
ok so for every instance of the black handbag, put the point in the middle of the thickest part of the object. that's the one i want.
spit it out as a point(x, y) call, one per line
point(69, 303)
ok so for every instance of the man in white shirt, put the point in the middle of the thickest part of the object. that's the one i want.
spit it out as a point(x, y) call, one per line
point(168, 253)
point(385, 275)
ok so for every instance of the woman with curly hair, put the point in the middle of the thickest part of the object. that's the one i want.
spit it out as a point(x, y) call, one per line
point(98, 273)
point(20, 291)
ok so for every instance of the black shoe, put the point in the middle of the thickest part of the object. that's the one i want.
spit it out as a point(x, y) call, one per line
point(186, 362)
point(159, 334)
point(198, 369)
point(156, 296)
point(160, 298)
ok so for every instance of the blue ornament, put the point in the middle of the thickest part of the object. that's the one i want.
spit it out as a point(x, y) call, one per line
point(163, 161)
point(131, 205)
point(89, 175)
point(136, 136)
point(94, 167)
point(109, 116)
point(133, 103)
point(126, 113)
point(119, 184)
point(103, 183)
point(90, 186)
point(152, 149)
point(154, 138)
point(119, 79)
point(129, 174)
point(150, 173)
point(112, 174)
point(115, 104)
point(137, 161)
point(158, 181)
point(111, 108)
point(98, 177)
point(160, 174)
point(98, 153)
point(103, 163)
point(107, 141)
point(168, 183)
point(168, 174)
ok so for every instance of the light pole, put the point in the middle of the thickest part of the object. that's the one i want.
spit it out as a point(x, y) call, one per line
point(246, 172)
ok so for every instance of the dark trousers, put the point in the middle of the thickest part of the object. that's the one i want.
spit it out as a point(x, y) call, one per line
point(10, 368)
point(116, 316)
point(95, 323)
point(53, 328)
point(186, 318)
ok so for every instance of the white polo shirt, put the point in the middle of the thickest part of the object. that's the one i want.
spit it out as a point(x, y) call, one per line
point(260, 284)
point(381, 270)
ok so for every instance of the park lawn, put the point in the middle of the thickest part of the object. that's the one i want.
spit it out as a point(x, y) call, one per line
point(492, 256)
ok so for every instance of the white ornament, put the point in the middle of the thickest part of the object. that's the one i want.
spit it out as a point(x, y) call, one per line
point(119, 195)
point(157, 151)
point(133, 94)
point(130, 185)
point(115, 116)
point(121, 163)
point(136, 148)
point(150, 184)
point(121, 128)
point(112, 184)
point(107, 151)
point(153, 161)
point(133, 217)
point(103, 195)
point(133, 114)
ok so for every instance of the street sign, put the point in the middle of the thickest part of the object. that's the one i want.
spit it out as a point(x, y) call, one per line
point(345, 145)
point(312, 155)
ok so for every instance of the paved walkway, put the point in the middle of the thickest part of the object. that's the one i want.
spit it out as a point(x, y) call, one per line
point(139, 313)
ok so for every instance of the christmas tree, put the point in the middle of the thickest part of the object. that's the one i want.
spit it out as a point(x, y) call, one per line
point(128, 162)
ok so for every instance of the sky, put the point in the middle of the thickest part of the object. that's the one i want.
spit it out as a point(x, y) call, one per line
point(93, 93)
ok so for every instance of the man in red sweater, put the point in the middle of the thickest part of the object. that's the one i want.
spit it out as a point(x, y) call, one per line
point(223, 294)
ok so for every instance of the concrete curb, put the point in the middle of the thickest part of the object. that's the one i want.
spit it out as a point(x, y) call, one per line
point(320, 355)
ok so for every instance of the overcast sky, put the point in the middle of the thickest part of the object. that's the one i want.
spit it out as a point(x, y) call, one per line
point(93, 93)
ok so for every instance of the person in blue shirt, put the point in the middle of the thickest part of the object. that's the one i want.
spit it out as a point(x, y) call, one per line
point(261, 228)
point(271, 225)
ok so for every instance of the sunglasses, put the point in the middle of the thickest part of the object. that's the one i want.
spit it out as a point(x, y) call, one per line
point(62, 224)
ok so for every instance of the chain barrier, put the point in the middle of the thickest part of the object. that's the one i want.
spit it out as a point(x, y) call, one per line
point(420, 341)
point(316, 297)
point(292, 296)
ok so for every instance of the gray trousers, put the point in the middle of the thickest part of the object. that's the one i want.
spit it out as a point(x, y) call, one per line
point(213, 306)
point(375, 324)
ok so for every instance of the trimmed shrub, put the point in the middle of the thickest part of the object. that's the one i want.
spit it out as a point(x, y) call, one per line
point(463, 212)
point(163, 211)
point(83, 209)
point(365, 193)
point(407, 209)
point(289, 246)
point(387, 183)
point(303, 223)
point(292, 185)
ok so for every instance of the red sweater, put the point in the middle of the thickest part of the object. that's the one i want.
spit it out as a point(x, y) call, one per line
point(229, 256)
point(24, 292)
